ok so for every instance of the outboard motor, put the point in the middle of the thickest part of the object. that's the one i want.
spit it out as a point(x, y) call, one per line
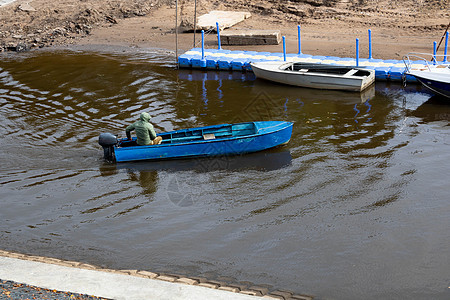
point(108, 141)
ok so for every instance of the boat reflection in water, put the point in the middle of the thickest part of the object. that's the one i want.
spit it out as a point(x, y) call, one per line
point(268, 160)
point(279, 89)
point(314, 94)
point(437, 108)
point(146, 173)
point(199, 75)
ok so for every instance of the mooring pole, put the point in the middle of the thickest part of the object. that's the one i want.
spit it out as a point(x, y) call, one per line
point(299, 40)
point(195, 20)
point(284, 48)
point(434, 51)
point(176, 31)
point(446, 47)
point(203, 44)
point(370, 44)
point(357, 52)
point(218, 35)
point(442, 37)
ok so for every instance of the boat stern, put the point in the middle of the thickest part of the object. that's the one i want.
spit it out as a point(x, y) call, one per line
point(368, 80)
point(108, 141)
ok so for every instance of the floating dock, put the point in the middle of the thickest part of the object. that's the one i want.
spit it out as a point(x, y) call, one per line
point(228, 60)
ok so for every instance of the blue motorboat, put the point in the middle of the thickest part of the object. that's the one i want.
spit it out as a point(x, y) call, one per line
point(433, 75)
point(437, 82)
point(217, 140)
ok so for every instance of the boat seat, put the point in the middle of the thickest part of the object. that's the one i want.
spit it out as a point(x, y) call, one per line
point(209, 136)
point(206, 136)
point(351, 72)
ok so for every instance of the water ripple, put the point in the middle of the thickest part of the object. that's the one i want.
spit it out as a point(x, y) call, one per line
point(360, 179)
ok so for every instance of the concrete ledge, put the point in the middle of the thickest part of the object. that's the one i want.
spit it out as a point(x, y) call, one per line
point(225, 19)
point(104, 284)
point(250, 37)
point(81, 278)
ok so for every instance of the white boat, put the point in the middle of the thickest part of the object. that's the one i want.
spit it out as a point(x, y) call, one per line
point(319, 76)
point(294, 92)
point(431, 74)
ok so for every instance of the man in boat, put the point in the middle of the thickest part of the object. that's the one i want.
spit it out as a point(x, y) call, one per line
point(145, 132)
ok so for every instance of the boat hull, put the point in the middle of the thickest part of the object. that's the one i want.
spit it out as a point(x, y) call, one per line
point(439, 84)
point(268, 135)
point(431, 74)
point(276, 72)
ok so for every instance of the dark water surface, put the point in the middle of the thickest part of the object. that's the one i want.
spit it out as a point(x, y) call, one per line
point(356, 206)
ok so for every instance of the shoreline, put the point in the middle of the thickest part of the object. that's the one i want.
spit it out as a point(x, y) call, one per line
point(329, 31)
point(314, 40)
point(159, 281)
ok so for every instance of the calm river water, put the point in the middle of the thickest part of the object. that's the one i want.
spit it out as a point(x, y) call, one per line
point(356, 206)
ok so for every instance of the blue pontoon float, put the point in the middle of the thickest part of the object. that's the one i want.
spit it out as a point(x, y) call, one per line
point(217, 140)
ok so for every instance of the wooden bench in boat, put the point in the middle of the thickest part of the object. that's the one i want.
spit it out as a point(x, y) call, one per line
point(207, 134)
point(351, 72)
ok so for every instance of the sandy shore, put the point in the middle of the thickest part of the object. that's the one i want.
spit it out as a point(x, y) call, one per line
point(398, 27)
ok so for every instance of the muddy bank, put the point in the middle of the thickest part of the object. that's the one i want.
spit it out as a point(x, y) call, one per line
point(44, 23)
point(329, 27)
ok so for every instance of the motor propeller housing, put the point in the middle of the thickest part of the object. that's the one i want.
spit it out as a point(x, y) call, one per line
point(108, 141)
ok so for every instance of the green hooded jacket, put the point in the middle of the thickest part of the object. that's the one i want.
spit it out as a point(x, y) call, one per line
point(145, 132)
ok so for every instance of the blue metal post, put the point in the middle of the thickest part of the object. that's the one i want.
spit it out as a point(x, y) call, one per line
point(284, 48)
point(218, 35)
point(203, 44)
point(357, 52)
point(446, 47)
point(434, 51)
point(299, 40)
point(370, 44)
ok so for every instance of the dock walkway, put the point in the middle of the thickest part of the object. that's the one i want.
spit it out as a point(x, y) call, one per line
point(228, 60)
